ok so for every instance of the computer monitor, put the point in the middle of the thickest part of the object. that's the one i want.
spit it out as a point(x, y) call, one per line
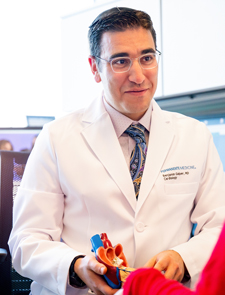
point(38, 121)
point(20, 138)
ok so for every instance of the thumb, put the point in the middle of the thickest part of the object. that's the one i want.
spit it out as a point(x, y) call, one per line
point(97, 267)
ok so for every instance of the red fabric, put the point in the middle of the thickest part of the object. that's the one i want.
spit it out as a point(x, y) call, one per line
point(146, 281)
point(149, 281)
point(212, 280)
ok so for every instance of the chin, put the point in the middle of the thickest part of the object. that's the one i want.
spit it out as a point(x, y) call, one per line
point(135, 114)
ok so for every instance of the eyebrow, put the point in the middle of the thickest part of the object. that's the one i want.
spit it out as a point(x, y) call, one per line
point(122, 54)
point(149, 50)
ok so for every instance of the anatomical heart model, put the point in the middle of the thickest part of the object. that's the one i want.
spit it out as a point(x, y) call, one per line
point(113, 258)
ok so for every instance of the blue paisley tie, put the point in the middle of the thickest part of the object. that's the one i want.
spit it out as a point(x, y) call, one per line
point(137, 159)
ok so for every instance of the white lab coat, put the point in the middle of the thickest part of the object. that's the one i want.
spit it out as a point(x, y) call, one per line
point(77, 184)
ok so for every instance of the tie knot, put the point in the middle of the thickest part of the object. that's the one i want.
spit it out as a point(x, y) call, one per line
point(137, 132)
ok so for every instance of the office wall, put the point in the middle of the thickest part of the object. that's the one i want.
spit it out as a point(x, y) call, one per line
point(30, 60)
point(193, 45)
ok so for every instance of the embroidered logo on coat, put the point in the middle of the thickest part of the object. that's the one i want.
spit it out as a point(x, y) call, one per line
point(178, 168)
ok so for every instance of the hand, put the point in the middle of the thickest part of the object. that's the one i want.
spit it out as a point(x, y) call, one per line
point(90, 271)
point(170, 262)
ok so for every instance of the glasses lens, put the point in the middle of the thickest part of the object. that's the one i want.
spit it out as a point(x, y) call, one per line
point(149, 60)
point(120, 64)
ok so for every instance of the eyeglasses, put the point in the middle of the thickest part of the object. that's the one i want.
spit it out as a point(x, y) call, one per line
point(123, 64)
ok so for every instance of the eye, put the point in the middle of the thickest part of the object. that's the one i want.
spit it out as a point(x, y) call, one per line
point(120, 62)
point(148, 58)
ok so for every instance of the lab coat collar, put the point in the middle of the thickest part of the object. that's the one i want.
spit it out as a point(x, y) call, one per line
point(102, 139)
point(160, 140)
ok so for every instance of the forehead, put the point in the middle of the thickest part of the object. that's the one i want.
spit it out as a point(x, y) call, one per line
point(130, 41)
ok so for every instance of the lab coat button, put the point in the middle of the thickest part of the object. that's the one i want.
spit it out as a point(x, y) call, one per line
point(140, 227)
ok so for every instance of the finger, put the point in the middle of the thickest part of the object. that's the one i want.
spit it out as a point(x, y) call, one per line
point(97, 267)
point(161, 265)
point(100, 287)
point(151, 262)
point(178, 275)
point(174, 272)
point(170, 273)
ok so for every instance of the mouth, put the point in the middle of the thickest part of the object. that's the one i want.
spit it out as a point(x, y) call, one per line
point(137, 92)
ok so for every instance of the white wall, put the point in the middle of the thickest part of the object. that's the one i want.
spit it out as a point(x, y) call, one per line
point(30, 57)
point(193, 45)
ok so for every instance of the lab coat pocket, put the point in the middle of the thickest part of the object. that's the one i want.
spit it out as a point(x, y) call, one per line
point(181, 188)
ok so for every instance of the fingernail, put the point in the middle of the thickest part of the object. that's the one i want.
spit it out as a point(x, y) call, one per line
point(102, 269)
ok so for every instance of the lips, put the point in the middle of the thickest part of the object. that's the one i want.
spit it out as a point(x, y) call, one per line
point(136, 91)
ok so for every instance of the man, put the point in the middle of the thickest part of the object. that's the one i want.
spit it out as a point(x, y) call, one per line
point(78, 181)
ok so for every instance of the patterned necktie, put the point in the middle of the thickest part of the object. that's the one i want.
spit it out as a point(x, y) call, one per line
point(137, 159)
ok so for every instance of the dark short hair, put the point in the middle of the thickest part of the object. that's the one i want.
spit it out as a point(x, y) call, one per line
point(117, 19)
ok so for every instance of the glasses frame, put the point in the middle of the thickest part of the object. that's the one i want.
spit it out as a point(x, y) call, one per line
point(157, 53)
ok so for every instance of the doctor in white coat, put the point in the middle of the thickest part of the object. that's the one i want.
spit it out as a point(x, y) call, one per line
point(77, 181)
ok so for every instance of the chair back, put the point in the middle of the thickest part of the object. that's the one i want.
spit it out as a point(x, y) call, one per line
point(12, 166)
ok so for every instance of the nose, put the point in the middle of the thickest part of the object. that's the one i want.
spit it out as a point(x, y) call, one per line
point(136, 72)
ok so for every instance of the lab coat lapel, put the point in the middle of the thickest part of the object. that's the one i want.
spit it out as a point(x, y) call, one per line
point(160, 139)
point(101, 137)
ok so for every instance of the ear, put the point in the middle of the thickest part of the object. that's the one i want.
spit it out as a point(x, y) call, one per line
point(94, 68)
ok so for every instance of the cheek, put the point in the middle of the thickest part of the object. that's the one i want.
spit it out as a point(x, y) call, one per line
point(116, 83)
point(153, 75)
point(113, 83)
point(153, 80)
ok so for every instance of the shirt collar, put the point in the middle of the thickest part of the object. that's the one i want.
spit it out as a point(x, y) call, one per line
point(121, 122)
